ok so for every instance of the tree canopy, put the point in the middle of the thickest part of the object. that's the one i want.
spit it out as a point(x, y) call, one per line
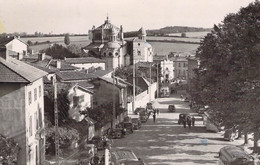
point(228, 77)
point(67, 39)
point(60, 52)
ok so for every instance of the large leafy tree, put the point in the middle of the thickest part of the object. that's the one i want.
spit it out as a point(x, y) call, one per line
point(229, 72)
point(67, 39)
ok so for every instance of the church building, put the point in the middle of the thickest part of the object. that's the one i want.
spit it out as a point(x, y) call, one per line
point(108, 43)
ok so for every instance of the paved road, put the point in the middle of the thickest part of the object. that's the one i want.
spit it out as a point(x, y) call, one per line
point(167, 143)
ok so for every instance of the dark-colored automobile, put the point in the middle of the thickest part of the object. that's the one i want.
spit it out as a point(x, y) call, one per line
point(143, 116)
point(136, 123)
point(128, 127)
point(171, 108)
point(138, 110)
point(182, 117)
point(149, 107)
point(98, 142)
point(117, 133)
point(127, 119)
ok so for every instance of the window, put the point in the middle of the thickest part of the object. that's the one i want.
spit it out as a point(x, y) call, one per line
point(179, 64)
point(30, 126)
point(77, 100)
point(139, 53)
point(110, 54)
point(40, 91)
point(138, 44)
point(184, 64)
point(36, 120)
point(30, 97)
point(105, 54)
point(35, 94)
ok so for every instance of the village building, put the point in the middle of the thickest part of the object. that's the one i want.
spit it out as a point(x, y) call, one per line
point(22, 108)
point(15, 46)
point(87, 63)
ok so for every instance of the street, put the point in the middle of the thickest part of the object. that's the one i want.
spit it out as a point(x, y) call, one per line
point(167, 143)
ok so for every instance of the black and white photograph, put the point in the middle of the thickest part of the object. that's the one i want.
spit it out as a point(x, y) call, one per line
point(129, 82)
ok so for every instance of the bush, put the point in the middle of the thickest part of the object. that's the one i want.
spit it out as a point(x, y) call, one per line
point(9, 151)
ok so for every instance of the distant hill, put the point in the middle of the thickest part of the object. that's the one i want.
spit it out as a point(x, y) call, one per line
point(168, 30)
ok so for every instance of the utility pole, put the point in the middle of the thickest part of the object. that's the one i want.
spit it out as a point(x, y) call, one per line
point(114, 104)
point(133, 102)
point(158, 80)
point(56, 121)
point(150, 95)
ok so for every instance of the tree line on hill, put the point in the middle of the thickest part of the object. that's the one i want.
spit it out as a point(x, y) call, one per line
point(168, 30)
point(228, 78)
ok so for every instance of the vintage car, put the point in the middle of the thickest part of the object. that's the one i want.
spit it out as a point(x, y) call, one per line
point(117, 133)
point(182, 117)
point(149, 107)
point(138, 110)
point(143, 116)
point(128, 127)
point(136, 123)
point(98, 142)
point(171, 108)
point(125, 157)
point(127, 119)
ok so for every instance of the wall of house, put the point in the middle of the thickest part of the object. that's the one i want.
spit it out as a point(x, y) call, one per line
point(17, 46)
point(103, 93)
point(12, 115)
point(89, 65)
point(142, 52)
point(192, 64)
point(167, 68)
point(181, 69)
point(34, 121)
point(143, 98)
point(85, 100)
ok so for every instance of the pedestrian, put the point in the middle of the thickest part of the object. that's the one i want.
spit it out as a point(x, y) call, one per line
point(193, 121)
point(189, 121)
point(154, 116)
point(158, 111)
point(181, 96)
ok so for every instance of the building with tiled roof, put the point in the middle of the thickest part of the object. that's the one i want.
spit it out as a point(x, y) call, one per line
point(22, 108)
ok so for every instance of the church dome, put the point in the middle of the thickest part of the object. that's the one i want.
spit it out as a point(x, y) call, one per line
point(142, 31)
point(112, 45)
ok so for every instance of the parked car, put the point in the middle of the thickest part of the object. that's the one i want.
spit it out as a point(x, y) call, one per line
point(128, 127)
point(182, 117)
point(117, 133)
point(143, 116)
point(171, 108)
point(138, 110)
point(136, 123)
point(230, 134)
point(149, 107)
point(127, 119)
point(98, 142)
point(125, 157)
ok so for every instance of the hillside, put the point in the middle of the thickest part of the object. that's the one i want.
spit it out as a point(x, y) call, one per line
point(168, 30)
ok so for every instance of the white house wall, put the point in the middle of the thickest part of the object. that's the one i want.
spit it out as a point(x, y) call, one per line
point(89, 65)
point(32, 112)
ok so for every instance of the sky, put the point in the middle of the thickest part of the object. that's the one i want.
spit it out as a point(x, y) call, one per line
point(79, 16)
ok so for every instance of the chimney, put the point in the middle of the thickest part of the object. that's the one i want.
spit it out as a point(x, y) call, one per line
point(58, 64)
point(41, 56)
point(19, 56)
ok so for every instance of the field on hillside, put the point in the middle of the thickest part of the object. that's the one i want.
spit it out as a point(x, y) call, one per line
point(162, 38)
point(191, 34)
point(77, 40)
point(164, 48)
point(160, 48)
